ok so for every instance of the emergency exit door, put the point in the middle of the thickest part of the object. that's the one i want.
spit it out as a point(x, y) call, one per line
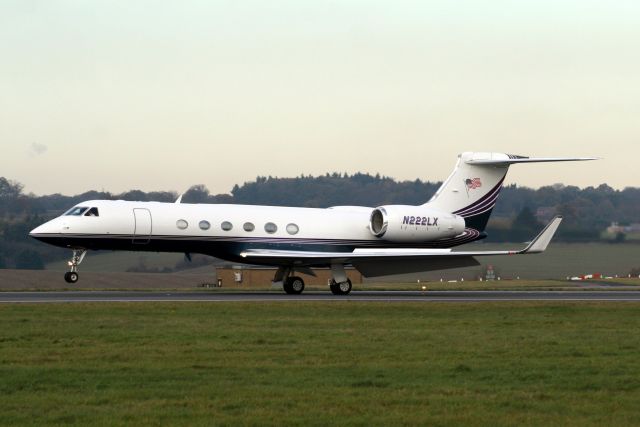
point(142, 226)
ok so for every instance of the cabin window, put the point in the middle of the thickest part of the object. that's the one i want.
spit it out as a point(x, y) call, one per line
point(92, 212)
point(292, 228)
point(76, 211)
point(226, 226)
point(204, 225)
point(248, 226)
point(270, 228)
point(182, 224)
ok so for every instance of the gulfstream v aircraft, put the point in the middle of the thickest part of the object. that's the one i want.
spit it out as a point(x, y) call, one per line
point(375, 240)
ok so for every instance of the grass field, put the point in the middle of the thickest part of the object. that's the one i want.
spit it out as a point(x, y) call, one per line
point(317, 363)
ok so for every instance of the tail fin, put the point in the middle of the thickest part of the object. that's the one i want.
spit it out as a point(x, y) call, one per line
point(473, 187)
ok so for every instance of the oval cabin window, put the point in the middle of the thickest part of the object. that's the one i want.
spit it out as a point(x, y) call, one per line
point(270, 228)
point(226, 226)
point(248, 226)
point(292, 228)
point(204, 225)
point(182, 224)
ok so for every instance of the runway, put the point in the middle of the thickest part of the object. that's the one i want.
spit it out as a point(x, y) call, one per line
point(356, 296)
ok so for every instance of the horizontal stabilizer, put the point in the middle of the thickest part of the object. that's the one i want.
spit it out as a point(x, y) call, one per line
point(506, 162)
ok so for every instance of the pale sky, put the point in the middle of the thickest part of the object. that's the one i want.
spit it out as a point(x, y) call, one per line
point(161, 95)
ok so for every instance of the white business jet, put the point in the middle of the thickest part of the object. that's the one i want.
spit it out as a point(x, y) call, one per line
point(377, 241)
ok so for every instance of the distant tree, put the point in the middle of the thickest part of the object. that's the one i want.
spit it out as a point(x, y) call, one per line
point(196, 194)
point(525, 225)
point(221, 198)
point(18, 231)
point(134, 196)
point(620, 237)
point(29, 260)
point(162, 196)
point(526, 219)
point(10, 189)
point(587, 212)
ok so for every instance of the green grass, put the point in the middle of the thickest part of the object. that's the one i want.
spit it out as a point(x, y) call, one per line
point(320, 363)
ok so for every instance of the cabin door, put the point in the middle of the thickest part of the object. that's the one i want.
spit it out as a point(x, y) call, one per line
point(142, 227)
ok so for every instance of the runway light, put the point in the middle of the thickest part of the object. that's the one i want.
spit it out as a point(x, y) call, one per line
point(424, 288)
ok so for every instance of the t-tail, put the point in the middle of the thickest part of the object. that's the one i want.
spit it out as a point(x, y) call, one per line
point(473, 187)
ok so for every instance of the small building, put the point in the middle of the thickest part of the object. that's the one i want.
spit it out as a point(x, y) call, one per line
point(261, 277)
point(616, 228)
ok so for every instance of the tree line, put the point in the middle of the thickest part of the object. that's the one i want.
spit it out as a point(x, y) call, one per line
point(517, 216)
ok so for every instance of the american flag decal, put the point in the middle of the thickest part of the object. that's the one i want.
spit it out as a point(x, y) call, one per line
point(472, 184)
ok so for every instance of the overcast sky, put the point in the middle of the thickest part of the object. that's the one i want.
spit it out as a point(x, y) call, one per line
point(154, 95)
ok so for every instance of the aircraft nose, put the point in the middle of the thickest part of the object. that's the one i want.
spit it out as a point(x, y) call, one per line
point(50, 227)
point(51, 232)
point(38, 230)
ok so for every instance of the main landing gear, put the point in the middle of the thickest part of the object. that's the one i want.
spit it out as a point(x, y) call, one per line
point(293, 285)
point(71, 276)
point(342, 288)
point(340, 283)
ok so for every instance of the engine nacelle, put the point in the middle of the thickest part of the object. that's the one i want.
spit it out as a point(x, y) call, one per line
point(400, 223)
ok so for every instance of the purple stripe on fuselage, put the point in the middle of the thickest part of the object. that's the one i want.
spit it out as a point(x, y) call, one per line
point(489, 203)
point(488, 198)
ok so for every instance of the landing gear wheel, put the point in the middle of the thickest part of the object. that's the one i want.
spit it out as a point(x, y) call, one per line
point(71, 277)
point(77, 257)
point(294, 285)
point(342, 288)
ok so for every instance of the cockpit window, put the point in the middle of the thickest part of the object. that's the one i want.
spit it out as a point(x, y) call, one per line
point(92, 212)
point(77, 211)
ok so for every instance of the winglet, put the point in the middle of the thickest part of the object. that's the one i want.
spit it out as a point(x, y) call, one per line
point(540, 243)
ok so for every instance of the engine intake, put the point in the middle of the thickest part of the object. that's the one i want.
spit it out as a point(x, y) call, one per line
point(400, 223)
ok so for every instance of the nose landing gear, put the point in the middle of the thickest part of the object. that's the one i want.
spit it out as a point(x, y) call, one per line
point(72, 275)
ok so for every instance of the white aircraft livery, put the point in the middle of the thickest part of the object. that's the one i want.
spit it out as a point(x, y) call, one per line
point(376, 241)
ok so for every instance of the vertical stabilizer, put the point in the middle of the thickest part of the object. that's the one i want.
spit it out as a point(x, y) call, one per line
point(472, 189)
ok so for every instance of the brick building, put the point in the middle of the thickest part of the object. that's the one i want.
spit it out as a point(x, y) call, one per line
point(260, 277)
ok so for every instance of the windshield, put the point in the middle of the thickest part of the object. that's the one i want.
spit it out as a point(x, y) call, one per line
point(77, 211)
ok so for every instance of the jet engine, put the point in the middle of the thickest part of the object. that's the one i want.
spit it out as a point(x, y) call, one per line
point(399, 223)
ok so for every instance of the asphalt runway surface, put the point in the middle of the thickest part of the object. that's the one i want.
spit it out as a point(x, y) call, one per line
point(362, 296)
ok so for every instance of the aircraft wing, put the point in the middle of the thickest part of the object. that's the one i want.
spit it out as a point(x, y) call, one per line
point(376, 262)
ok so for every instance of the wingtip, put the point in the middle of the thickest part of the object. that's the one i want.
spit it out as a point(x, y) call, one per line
point(542, 240)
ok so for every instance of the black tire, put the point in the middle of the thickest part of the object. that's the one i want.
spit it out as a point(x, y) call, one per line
point(335, 289)
point(294, 285)
point(71, 277)
point(343, 288)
